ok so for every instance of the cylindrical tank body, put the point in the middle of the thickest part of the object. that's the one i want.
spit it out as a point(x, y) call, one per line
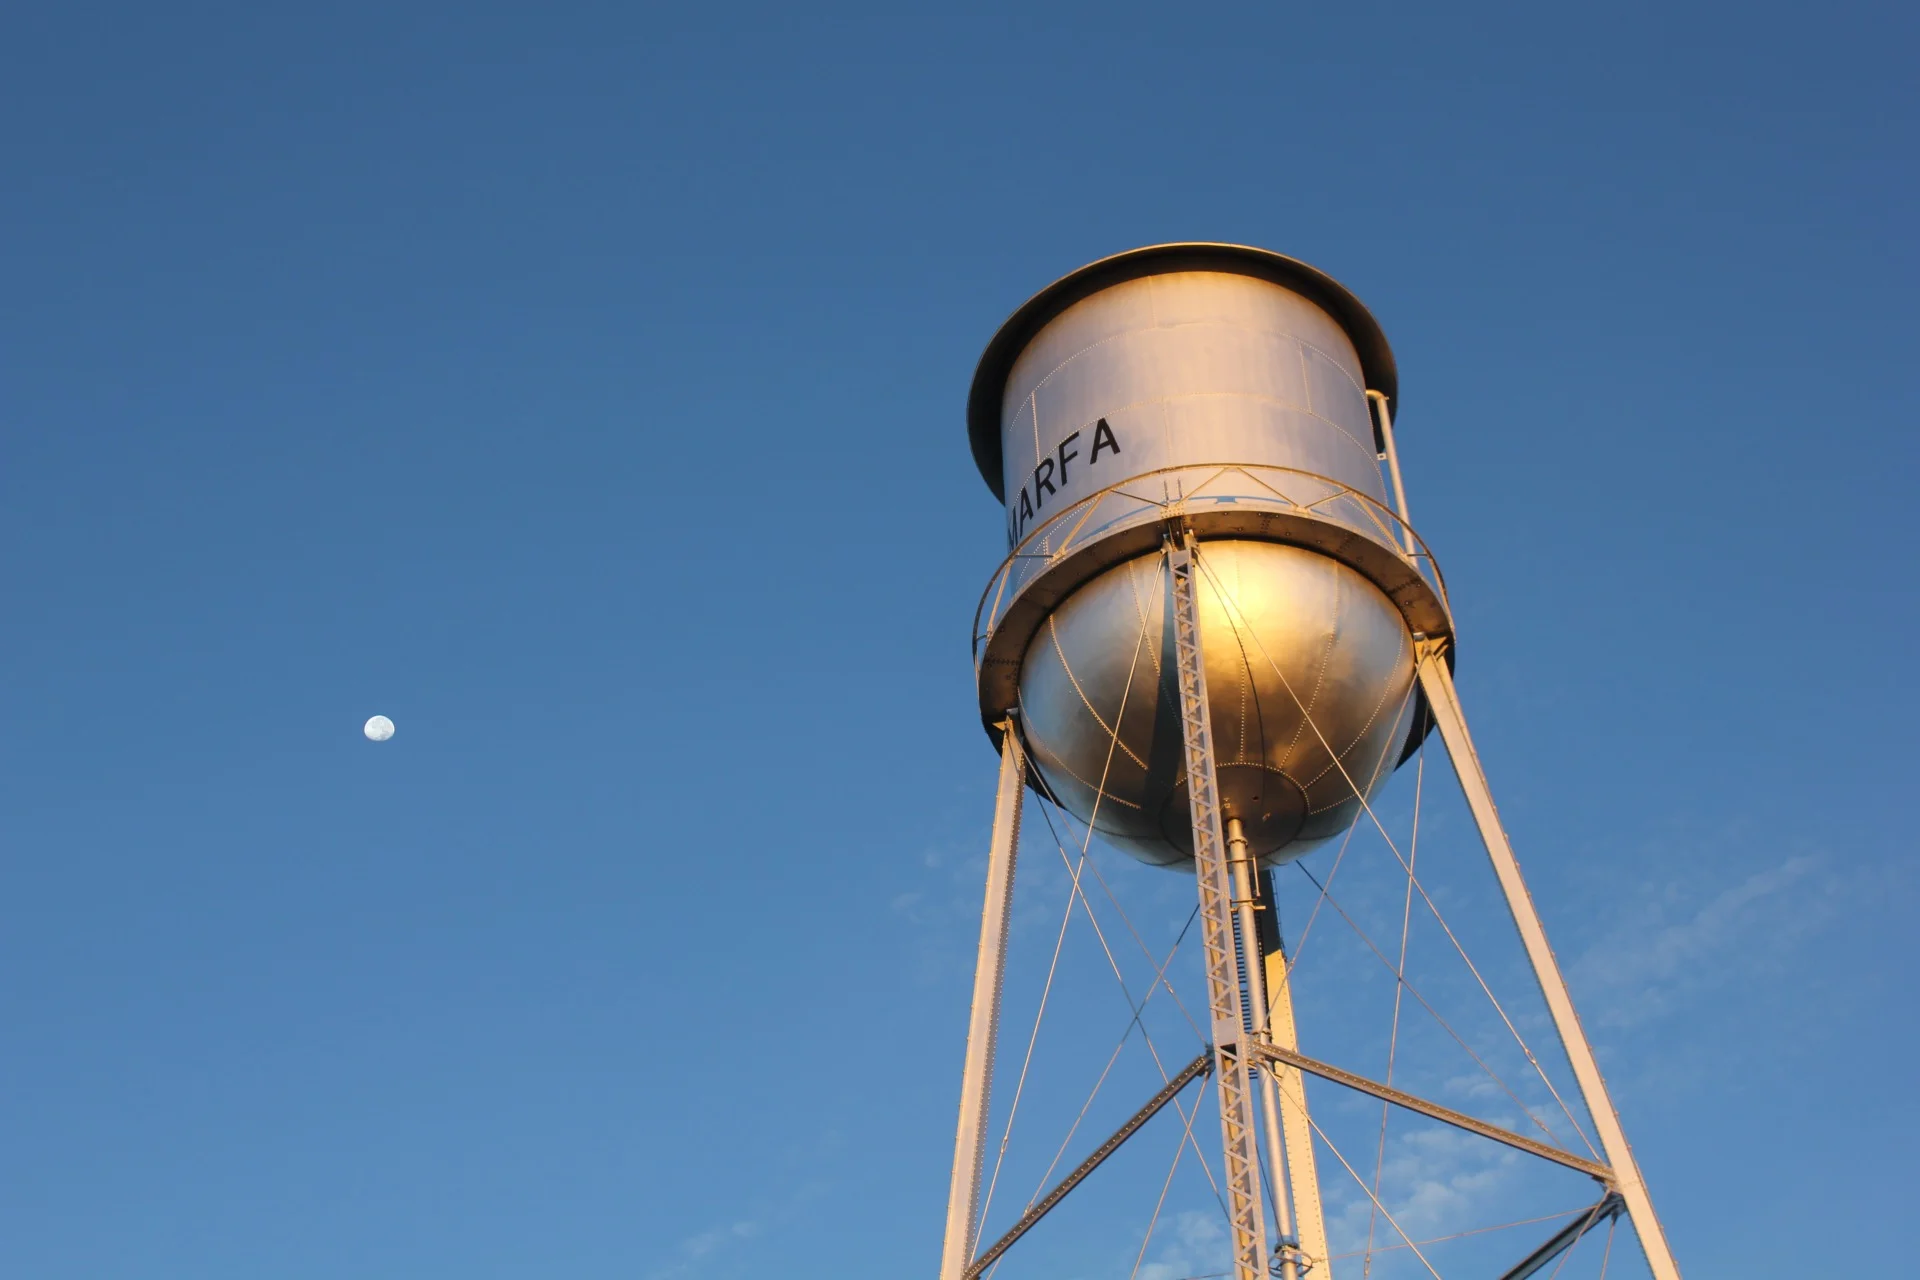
point(1221, 390)
point(1191, 367)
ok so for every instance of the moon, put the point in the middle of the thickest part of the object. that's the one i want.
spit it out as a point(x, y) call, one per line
point(378, 729)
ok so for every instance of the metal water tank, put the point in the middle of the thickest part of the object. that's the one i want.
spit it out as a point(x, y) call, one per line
point(1221, 390)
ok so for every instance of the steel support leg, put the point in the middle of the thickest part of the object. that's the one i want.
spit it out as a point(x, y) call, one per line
point(1437, 681)
point(983, 1025)
point(1239, 1143)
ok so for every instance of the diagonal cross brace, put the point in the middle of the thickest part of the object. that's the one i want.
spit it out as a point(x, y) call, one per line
point(1433, 1110)
point(1194, 1070)
point(1610, 1206)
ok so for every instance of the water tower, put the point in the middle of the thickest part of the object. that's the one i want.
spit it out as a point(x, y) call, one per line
point(1214, 636)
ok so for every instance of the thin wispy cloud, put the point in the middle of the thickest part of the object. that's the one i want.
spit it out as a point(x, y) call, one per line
point(728, 1248)
point(1433, 1180)
point(1675, 946)
point(1190, 1243)
point(698, 1250)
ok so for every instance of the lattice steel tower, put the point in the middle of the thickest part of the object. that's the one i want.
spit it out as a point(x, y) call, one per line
point(1215, 635)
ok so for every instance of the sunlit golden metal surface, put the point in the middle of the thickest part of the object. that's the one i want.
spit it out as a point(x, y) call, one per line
point(1309, 678)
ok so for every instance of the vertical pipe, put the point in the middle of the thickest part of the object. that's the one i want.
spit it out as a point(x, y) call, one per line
point(983, 1024)
point(1303, 1174)
point(1383, 418)
point(1245, 905)
point(1437, 681)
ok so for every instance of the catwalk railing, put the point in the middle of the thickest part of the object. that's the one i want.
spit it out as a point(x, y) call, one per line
point(1204, 494)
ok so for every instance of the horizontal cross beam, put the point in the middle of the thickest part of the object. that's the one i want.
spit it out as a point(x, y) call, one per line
point(1434, 1111)
point(1191, 1072)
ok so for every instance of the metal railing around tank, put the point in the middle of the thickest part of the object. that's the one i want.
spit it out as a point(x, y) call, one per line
point(1193, 490)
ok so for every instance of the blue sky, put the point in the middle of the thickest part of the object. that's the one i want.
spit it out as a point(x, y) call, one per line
point(583, 387)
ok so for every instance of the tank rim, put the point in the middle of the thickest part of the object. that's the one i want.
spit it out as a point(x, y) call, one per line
point(996, 363)
point(997, 663)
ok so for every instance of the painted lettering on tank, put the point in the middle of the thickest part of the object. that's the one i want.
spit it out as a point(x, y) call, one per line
point(1050, 478)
